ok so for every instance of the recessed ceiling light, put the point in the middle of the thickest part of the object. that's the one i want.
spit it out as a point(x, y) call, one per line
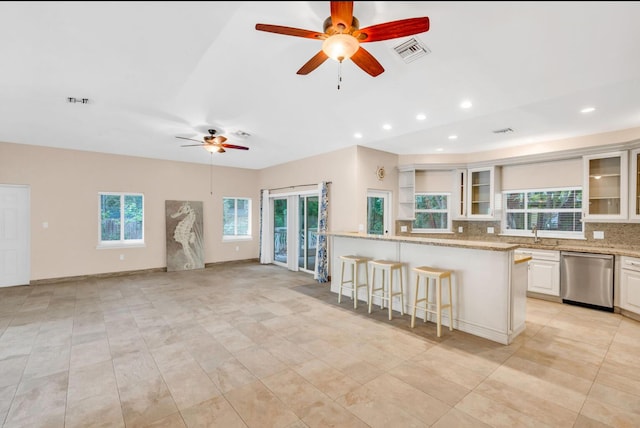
point(466, 104)
point(587, 110)
point(453, 137)
point(357, 135)
point(421, 116)
point(386, 127)
point(439, 149)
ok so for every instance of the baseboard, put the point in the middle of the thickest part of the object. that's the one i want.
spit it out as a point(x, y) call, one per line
point(126, 273)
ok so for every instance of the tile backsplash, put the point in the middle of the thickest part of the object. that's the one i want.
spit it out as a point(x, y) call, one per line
point(625, 235)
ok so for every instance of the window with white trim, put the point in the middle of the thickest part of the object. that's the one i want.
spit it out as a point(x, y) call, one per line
point(432, 213)
point(121, 219)
point(556, 213)
point(236, 218)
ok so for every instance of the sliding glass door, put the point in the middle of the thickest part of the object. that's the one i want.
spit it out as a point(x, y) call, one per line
point(280, 229)
point(307, 232)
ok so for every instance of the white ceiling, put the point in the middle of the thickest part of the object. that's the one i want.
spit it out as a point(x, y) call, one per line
point(156, 70)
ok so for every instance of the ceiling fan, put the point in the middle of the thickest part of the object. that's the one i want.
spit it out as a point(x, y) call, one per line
point(342, 37)
point(213, 143)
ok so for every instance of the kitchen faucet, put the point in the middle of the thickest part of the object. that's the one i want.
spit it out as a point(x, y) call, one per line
point(534, 230)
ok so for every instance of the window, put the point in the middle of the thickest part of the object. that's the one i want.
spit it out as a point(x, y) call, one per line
point(432, 213)
point(554, 212)
point(236, 215)
point(121, 219)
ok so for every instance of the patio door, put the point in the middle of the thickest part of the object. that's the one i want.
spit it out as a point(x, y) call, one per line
point(307, 233)
point(378, 212)
point(280, 232)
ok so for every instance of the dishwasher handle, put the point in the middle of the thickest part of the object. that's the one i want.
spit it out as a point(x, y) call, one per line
point(590, 255)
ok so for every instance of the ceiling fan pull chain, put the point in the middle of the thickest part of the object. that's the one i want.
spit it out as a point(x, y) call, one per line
point(339, 74)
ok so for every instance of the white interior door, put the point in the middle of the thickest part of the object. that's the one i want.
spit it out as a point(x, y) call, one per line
point(14, 235)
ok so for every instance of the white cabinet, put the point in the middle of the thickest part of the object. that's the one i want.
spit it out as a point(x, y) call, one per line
point(544, 271)
point(605, 186)
point(459, 195)
point(634, 181)
point(630, 284)
point(406, 194)
point(482, 188)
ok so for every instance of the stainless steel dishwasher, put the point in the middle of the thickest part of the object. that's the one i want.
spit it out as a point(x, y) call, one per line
point(586, 279)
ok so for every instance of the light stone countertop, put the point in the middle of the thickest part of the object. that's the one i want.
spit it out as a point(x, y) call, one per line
point(478, 245)
point(494, 245)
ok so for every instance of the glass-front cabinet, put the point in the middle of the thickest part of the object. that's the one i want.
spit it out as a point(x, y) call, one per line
point(634, 198)
point(481, 190)
point(605, 186)
point(459, 195)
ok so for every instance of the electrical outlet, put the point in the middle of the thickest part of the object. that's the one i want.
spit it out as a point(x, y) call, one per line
point(45, 224)
point(460, 229)
point(403, 228)
point(490, 229)
point(121, 256)
point(237, 248)
point(598, 234)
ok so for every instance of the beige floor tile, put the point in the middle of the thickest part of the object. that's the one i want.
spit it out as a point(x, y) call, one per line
point(528, 403)
point(39, 402)
point(160, 348)
point(495, 413)
point(295, 392)
point(230, 374)
point(174, 420)
point(609, 414)
point(216, 412)
point(259, 407)
point(189, 384)
point(455, 418)
point(327, 379)
point(543, 382)
point(95, 411)
point(259, 361)
point(430, 382)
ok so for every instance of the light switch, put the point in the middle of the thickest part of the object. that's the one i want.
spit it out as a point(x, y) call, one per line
point(45, 224)
point(460, 229)
point(403, 228)
point(598, 234)
point(490, 229)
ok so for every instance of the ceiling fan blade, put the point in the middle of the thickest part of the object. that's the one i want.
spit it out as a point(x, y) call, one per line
point(233, 146)
point(363, 59)
point(190, 139)
point(193, 145)
point(392, 30)
point(290, 31)
point(313, 63)
point(342, 13)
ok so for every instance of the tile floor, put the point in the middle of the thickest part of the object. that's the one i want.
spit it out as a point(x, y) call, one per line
point(242, 344)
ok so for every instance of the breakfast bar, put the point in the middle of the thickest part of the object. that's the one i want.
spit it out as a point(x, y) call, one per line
point(489, 281)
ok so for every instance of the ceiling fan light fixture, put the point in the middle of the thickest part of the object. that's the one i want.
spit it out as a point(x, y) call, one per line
point(211, 148)
point(340, 46)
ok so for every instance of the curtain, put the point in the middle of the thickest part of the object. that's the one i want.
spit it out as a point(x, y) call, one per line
point(322, 261)
point(266, 255)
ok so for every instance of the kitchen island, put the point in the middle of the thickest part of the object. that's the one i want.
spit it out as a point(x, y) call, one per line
point(489, 283)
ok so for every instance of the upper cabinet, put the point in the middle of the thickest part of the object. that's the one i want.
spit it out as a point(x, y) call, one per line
point(634, 181)
point(605, 186)
point(459, 195)
point(406, 194)
point(483, 185)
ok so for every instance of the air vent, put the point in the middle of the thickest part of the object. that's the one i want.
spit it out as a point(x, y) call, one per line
point(411, 50)
point(503, 131)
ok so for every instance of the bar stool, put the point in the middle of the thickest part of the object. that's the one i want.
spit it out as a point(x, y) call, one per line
point(353, 263)
point(437, 275)
point(387, 268)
